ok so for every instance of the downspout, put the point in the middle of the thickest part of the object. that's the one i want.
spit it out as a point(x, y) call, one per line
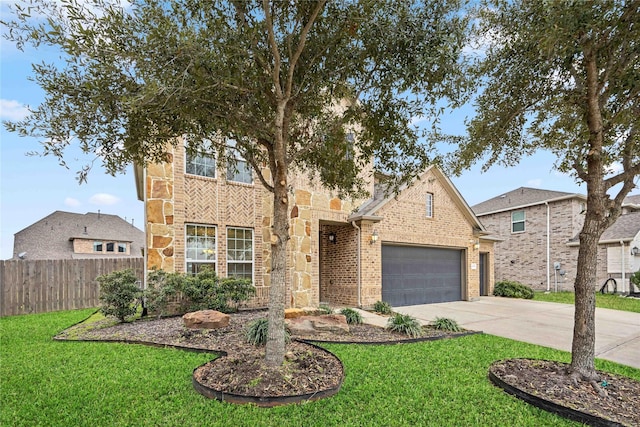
point(353, 223)
point(622, 254)
point(548, 247)
point(146, 227)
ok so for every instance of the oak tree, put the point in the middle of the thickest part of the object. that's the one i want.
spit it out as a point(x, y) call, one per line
point(564, 76)
point(285, 80)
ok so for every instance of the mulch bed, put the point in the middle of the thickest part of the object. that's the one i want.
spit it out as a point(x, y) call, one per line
point(243, 371)
point(546, 384)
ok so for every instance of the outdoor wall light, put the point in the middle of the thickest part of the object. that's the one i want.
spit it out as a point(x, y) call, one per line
point(635, 251)
point(374, 237)
point(476, 245)
point(333, 238)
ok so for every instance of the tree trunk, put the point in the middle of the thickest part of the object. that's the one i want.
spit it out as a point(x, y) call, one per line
point(277, 293)
point(275, 349)
point(584, 337)
point(595, 222)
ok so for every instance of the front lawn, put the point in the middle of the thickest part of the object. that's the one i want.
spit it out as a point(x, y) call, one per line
point(614, 302)
point(443, 383)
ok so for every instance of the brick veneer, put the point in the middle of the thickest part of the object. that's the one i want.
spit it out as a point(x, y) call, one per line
point(523, 256)
point(316, 270)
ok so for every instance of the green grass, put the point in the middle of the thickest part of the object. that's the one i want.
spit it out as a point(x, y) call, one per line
point(441, 383)
point(614, 302)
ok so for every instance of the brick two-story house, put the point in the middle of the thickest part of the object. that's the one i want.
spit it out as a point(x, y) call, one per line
point(539, 237)
point(423, 245)
point(67, 235)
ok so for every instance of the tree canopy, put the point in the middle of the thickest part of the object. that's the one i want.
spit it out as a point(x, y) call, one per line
point(285, 81)
point(563, 76)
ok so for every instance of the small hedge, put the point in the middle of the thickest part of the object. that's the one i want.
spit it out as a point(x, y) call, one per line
point(511, 289)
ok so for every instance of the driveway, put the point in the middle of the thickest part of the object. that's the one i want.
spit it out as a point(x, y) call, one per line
point(542, 323)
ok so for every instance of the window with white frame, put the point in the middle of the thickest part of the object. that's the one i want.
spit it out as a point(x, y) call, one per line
point(122, 248)
point(97, 246)
point(201, 248)
point(517, 221)
point(240, 253)
point(240, 170)
point(429, 205)
point(200, 163)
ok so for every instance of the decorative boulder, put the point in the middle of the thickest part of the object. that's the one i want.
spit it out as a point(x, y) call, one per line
point(292, 313)
point(206, 319)
point(310, 325)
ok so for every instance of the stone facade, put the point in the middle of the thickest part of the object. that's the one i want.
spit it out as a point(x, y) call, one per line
point(317, 270)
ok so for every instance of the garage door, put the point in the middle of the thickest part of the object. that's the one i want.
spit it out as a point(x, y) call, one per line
point(417, 275)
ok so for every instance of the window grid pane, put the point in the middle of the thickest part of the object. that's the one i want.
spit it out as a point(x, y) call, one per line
point(429, 205)
point(200, 246)
point(201, 164)
point(240, 253)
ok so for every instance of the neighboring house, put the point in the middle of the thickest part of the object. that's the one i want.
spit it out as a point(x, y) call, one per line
point(539, 231)
point(619, 248)
point(66, 235)
point(424, 245)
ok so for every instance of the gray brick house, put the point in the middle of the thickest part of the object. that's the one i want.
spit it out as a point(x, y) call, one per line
point(539, 231)
point(66, 235)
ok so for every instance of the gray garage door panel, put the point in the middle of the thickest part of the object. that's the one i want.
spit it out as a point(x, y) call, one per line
point(417, 275)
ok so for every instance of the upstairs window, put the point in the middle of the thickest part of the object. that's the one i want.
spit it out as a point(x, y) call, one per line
point(517, 221)
point(110, 247)
point(201, 164)
point(97, 246)
point(122, 248)
point(429, 205)
point(240, 171)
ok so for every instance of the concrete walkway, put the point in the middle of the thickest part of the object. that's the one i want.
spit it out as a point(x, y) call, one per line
point(536, 322)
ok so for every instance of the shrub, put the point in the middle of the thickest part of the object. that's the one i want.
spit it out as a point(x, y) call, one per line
point(236, 291)
point(382, 307)
point(353, 317)
point(444, 324)
point(405, 324)
point(162, 287)
point(324, 309)
point(203, 293)
point(512, 290)
point(635, 279)
point(256, 332)
point(119, 294)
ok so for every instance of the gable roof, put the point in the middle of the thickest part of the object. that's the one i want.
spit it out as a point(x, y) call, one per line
point(369, 208)
point(52, 236)
point(633, 200)
point(520, 198)
point(626, 228)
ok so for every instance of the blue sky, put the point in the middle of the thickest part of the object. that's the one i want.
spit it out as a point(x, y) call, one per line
point(32, 187)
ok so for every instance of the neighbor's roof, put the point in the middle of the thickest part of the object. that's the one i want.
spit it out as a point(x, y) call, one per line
point(625, 228)
point(520, 198)
point(50, 237)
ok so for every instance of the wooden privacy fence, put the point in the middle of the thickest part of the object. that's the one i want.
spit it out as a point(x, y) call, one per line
point(39, 286)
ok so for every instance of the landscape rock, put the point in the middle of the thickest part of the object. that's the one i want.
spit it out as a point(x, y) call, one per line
point(206, 319)
point(292, 313)
point(310, 325)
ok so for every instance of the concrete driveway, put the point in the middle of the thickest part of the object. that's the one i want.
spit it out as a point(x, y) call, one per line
point(542, 323)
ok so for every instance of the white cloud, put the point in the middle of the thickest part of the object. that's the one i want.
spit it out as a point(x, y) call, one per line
point(417, 119)
point(614, 168)
point(71, 202)
point(103, 199)
point(12, 110)
point(535, 183)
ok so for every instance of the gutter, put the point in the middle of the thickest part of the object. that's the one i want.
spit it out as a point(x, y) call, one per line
point(353, 223)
